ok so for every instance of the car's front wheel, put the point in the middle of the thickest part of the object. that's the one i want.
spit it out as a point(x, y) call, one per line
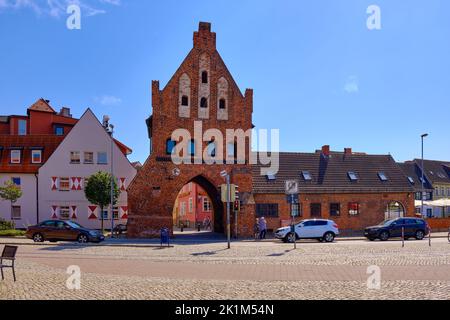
point(328, 237)
point(38, 237)
point(82, 238)
point(384, 236)
point(290, 237)
point(420, 235)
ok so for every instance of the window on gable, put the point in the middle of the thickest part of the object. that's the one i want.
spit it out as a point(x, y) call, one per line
point(204, 77)
point(75, 157)
point(204, 103)
point(222, 104)
point(22, 128)
point(307, 175)
point(353, 176)
point(36, 156)
point(102, 158)
point(59, 130)
point(88, 157)
point(382, 176)
point(184, 101)
point(16, 156)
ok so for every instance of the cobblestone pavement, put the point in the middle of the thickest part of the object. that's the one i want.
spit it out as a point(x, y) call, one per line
point(263, 270)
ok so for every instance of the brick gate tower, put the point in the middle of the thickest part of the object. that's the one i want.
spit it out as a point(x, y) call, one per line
point(202, 91)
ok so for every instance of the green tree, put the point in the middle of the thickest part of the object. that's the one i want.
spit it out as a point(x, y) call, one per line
point(98, 191)
point(10, 192)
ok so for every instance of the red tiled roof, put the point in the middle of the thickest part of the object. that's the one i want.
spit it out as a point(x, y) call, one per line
point(125, 150)
point(49, 143)
point(42, 105)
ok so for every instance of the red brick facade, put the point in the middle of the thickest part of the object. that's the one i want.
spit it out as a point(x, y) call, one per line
point(372, 208)
point(153, 192)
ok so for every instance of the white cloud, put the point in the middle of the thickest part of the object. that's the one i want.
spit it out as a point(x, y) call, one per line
point(58, 8)
point(352, 85)
point(107, 100)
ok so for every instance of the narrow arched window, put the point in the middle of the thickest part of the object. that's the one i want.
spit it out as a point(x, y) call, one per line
point(170, 146)
point(204, 103)
point(222, 104)
point(192, 147)
point(204, 77)
point(184, 101)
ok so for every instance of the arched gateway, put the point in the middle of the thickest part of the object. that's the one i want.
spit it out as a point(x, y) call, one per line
point(201, 92)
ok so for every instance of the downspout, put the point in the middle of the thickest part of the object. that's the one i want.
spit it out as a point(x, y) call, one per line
point(37, 198)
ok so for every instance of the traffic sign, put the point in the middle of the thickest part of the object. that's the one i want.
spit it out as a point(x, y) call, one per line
point(224, 191)
point(291, 187)
point(292, 198)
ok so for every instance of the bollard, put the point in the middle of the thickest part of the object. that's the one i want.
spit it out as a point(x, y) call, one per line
point(429, 236)
point(403, 237)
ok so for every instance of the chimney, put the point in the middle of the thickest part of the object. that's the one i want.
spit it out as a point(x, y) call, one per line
point(204, 38)
point(326, 150)
point(65, 112)
point(348, 151)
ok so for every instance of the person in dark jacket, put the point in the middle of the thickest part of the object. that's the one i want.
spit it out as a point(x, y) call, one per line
point(262, 224)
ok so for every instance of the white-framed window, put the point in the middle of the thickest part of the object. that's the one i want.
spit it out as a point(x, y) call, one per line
point(64, 213)
point(116, 213)
point(88, 157)
point(64, 184)
point(36, 156)
point(105, 215)
point(16, 156)
point(75, 157)
point(191, 205)
point(16, 213)
point(206, 204)
point(102, 158)
point(22, 128)
point(183, 209)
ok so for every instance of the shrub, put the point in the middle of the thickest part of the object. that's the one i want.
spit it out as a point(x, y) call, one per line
point(6, 225)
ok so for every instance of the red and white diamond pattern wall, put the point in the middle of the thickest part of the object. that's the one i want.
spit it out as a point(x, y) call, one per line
point(74, 212)
point(124, 212)
point(122, 185)
point(76, 183)
point(54, 183)
point(92, 212)
point(54, 212)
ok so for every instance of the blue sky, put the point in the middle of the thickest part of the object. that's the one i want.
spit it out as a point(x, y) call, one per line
point(318, 73)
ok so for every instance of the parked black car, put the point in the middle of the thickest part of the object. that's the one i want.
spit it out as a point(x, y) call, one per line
point(413, 228)
point(57, 230)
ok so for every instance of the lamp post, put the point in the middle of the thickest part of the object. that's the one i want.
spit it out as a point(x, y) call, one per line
point(423, 136)
point(226, 175)
point(111, 131)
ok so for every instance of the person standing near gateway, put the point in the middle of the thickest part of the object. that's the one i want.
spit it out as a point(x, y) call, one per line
point(262, 224)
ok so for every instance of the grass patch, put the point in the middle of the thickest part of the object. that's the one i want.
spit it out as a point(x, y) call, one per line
point(11, 233)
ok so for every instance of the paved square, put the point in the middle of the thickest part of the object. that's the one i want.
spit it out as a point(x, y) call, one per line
point(250, 270)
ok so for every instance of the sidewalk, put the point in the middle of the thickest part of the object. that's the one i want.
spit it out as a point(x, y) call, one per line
point(188, 239)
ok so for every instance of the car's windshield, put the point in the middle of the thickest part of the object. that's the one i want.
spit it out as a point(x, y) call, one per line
point(387, 223)
point(74, 225)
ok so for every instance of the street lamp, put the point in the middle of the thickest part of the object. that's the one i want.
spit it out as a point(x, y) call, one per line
point(423, 136)
point(226, 175)
point(111, 132)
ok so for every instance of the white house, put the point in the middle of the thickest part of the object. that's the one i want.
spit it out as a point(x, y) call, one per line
point(61, 180)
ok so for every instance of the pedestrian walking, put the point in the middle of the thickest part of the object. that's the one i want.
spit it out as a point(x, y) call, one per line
point(262, 224)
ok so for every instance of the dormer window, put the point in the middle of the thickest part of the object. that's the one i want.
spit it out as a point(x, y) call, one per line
point(307, 175)
point(205, 77)
point(353, 176)
point(222, 104)
point(411, 180)
point(382, 176)
point(36, 156)
point(16, 156)
point(185, 101)
point(204, 103)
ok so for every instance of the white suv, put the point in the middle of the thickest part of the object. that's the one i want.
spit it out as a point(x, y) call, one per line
point(322, 230)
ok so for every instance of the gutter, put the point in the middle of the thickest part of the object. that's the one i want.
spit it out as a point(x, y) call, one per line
point(37, 198)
